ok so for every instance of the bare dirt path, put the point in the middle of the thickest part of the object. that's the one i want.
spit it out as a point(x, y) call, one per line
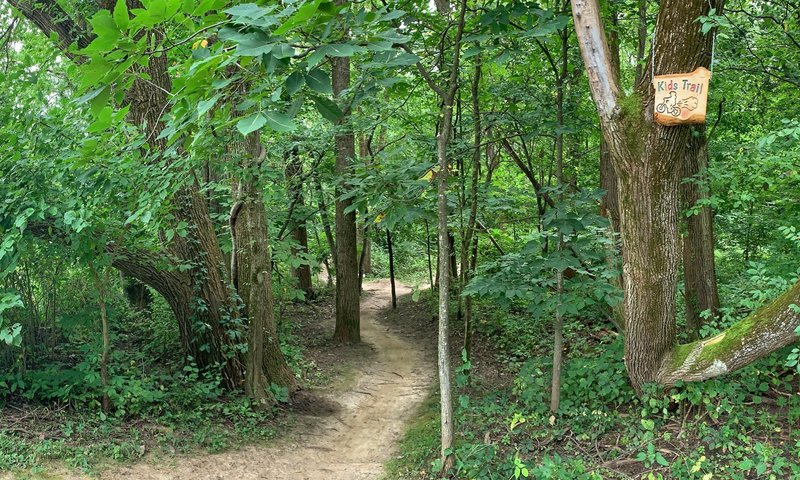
point(351, 444)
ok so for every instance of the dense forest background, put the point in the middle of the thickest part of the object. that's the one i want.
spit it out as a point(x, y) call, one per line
point(188, 187)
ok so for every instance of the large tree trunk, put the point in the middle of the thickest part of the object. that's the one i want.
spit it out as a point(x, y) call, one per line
point(252, 273)
point(447, 95)
point(699, 268)
point(207, 301)
point(648, 160)
point(348, 317)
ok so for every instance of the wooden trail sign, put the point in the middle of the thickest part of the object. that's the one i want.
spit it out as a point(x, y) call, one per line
point(681, 98)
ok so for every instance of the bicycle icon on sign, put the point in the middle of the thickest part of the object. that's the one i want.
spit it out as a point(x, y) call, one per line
point(672, 106)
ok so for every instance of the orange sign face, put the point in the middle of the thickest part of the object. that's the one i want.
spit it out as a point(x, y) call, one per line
point(681, 98)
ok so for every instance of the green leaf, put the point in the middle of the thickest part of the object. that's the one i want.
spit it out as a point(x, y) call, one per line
point(121, 16)
point(328, 109)
point(93, 72)
point(303, 13)
point(341, 50)
point(219, 84)
point(90, 95)
point(282, 50)
point(316, 57)
point(294, 108)
point(294, 82)
point(471, 52)
point(548, 27)
point(104, 25)
point(253, 44)
point(100, 101)
point(253, 15)
point(393, 15)
point(279, 122)
point(69, 217)
point(247, 10)
point(319, 81)
point(251, 123)
point(403, 59)
point(394, 36)
point(203, 7)
point(206, 105)
point(103, 121)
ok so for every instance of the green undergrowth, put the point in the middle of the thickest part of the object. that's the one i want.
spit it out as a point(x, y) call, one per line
point(740, 426)
point(421, 438)
point(161, 403)
point(87, 440)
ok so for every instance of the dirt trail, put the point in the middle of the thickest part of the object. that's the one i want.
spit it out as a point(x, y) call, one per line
point(351, 444)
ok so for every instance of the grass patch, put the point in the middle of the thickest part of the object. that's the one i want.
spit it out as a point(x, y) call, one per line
point(419, 442)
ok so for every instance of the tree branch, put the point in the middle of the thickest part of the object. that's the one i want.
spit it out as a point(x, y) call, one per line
point(597, 57)
point(50, 18)
point(425, 74)
point(537, 187)
point(770, 328)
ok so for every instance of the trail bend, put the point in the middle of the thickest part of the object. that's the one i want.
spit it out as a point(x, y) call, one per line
point(352, 444)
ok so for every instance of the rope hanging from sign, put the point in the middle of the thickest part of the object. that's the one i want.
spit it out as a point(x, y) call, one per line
point(653, 46)
point(653, 51)
point(713, 40)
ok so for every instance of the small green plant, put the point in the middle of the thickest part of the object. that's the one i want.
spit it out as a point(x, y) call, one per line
point(652, 456)
point(520, 468)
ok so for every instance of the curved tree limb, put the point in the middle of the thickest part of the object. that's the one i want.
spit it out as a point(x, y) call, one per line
point(770, 328)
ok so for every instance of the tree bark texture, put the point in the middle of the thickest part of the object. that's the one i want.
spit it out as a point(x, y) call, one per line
point(348, 329)
point(648, 159)
point(204, 307)
point(447, 97)
point(443, 344)
point(391, 266)
point(609, 204)
point(264, 363)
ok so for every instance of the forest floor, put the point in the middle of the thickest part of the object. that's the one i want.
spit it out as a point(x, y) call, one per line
point(346, 430)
